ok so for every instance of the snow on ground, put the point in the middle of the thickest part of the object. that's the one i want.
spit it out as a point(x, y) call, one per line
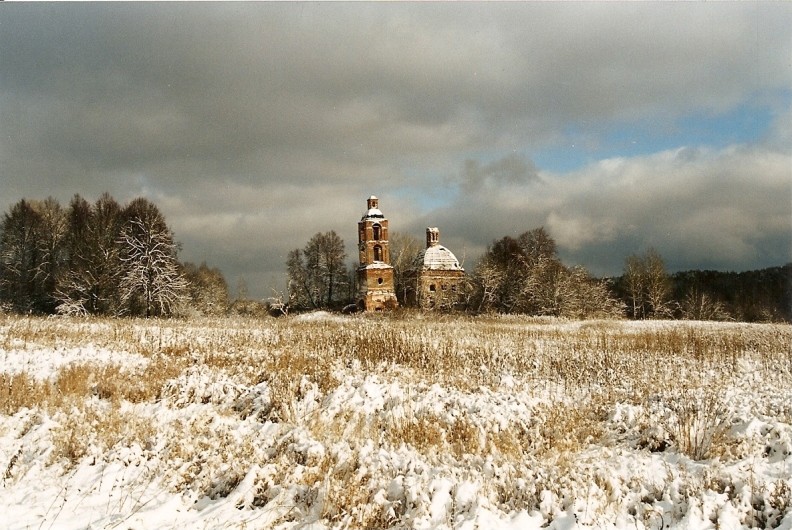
point(228, 441)
point(45, 363)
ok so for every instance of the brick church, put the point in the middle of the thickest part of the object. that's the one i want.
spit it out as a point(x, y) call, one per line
point(435, 277)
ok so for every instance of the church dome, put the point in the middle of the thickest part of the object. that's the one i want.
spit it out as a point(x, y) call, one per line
point(436, 258)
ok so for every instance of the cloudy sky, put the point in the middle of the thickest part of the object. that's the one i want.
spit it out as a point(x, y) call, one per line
point(616, 126)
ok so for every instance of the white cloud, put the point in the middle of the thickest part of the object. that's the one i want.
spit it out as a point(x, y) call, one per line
point(719, 206)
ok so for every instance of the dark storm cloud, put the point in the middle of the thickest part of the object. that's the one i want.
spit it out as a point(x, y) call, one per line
point(510, 170)
point(255, 125)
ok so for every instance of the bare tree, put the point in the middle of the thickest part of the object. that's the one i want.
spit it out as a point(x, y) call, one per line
point(648, 285)
point(404, 248)
point(152, 283)
point(301, 293)
point(325, 257)
point(318, 274)
point(89, 283)
point(537, 245)
point(699, 305)
point(19, 256)
point(635, 281)
point(506, 257)
point(521, 275)
point(487, 280)
point(207, 288)
point(92, 259)
point(525, 275)
point(587, 297)
point(51, 236)
point(106, 220)
point(74, 284)
point(658, 285)
point(31, 241)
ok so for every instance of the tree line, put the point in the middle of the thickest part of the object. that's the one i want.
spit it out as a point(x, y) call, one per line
point(100, 258)
point(107, 258)
point(525, 275)
point(752, 296)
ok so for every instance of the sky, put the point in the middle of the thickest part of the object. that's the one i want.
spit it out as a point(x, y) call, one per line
point(618, 127)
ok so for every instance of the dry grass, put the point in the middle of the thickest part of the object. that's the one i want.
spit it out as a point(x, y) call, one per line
point(17, 391)
point(93, 428)
point(700, 423)
point(576, 373)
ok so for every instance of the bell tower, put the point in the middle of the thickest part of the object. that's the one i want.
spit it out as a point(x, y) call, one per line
point(376, 290)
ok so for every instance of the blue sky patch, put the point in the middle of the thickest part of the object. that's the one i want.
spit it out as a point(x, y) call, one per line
point(745, 124)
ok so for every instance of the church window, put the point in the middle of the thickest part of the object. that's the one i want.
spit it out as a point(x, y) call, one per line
point(377, 229)
point(377, 253)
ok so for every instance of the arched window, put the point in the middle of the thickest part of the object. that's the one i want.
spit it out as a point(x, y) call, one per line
point(377, 232)
point(377, 253)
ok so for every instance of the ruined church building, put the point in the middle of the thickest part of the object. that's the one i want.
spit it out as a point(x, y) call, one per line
point(434, 279)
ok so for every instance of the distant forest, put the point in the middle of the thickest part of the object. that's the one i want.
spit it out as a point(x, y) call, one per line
point(106, 258)
point(753, 296)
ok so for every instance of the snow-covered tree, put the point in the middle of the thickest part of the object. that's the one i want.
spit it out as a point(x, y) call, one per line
point(403, 250)
point(525, 275)
point(152, 283)
point(634, 278)
point(19, 256)
point(658, 285)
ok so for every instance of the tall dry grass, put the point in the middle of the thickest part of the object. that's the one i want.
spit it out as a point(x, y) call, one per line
point(281, 371)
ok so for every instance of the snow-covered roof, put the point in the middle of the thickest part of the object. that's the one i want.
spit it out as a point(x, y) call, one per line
point(378, 265)
point(437, 257)
point(373, 213)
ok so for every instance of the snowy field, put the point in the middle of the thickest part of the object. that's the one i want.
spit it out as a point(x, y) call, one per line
point(394, 421)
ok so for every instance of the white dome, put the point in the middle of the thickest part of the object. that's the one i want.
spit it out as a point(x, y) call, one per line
point(437, 257)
